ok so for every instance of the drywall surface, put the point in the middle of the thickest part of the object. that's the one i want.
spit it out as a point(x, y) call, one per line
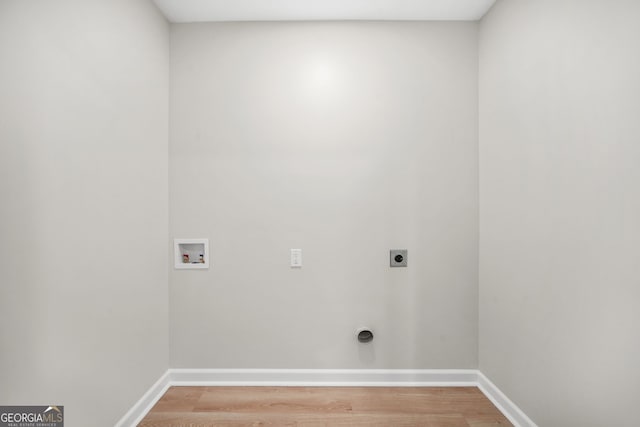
point(83, 212)
point(345, 140)
point(560, 203)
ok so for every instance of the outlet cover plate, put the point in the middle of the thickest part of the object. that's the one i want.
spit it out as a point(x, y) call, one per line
point(398, 257)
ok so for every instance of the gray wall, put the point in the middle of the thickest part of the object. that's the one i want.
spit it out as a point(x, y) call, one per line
point(83, 217)
point(560, 208)
point(345, 140)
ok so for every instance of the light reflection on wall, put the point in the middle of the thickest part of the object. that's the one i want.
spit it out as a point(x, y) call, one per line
point(323, 79)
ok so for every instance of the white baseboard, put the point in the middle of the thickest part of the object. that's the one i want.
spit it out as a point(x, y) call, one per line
point(146, 402)
point(503, 403)
point(326, 377)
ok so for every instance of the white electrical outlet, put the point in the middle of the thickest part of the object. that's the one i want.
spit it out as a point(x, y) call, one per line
point(296, 258)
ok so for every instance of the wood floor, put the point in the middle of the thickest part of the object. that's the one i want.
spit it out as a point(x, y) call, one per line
point(324, 406)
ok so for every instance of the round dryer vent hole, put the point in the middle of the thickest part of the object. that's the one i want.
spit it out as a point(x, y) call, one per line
point(365, 336)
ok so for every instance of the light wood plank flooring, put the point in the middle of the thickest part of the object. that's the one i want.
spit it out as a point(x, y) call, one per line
point(324, 406)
